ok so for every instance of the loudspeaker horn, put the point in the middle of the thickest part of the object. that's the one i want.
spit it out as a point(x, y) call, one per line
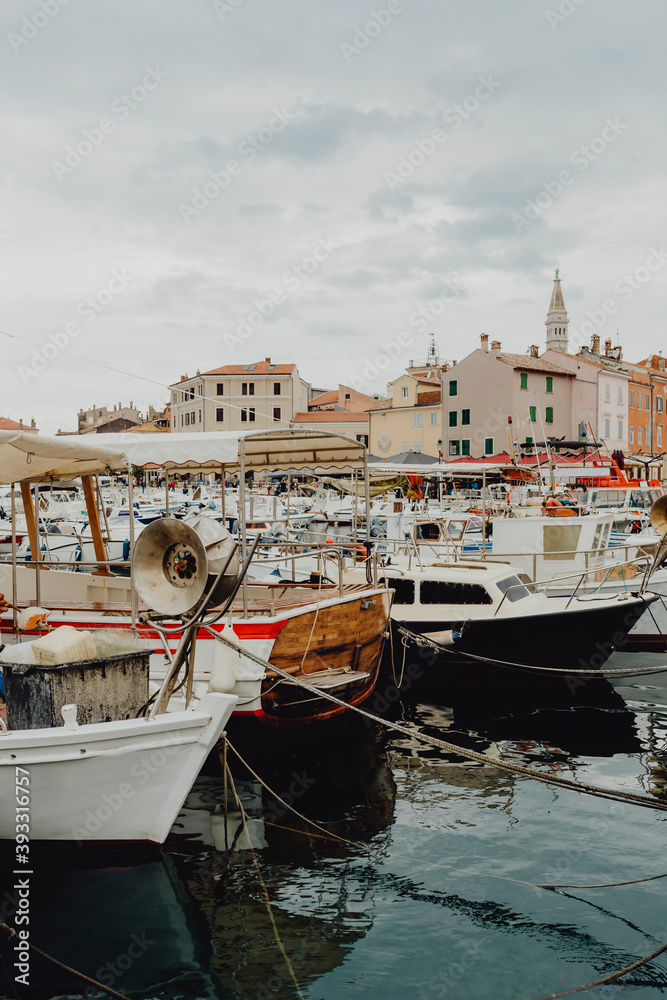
point(170, 566)
point(659, 516)
point(218, 544)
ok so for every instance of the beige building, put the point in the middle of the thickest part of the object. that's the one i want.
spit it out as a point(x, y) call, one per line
point(262, 395)
point(343, 398)
point(410, 420)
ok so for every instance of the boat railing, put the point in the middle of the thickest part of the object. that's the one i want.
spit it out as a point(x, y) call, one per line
point(293, 551)
point(544, 586)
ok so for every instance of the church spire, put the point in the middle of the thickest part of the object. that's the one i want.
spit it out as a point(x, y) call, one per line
point(557, 321)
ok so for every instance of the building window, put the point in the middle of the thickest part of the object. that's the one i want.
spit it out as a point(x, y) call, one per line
point(550, 383)
point(647, 401)
point(453, 388)
point(549, 415)
point(434, 418)
point(533, 414)
point(247, 388)
point(417, 447)
point(607, 392)
point(349, 396)
point(187, 419)
point(454, 448)
point(220, 389)
point(200, 416)
point(181, 419)
point(453, 418)
point(632, 435)
point(631, 401)
point(639, 436)
point(465, 446)
point(276, 389)
point(465, 418)
point(404, 394)
point(277, 413)
point(659, 432)
point(251, 414)
point(405, 447)
point(244, 388)
point(524, 380)
point(192, 417)
point(639, 400)
point(192, 392)
point(363, 439)
point(488, 446)
point(219, 414)
point(607, 428)
point(620, 430)
point(620, 395)
point(244, 415)
point(417, 420)
point(659, 404)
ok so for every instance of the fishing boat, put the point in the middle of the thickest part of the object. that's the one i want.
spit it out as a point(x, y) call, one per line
point(103, 779)
point(330, 633)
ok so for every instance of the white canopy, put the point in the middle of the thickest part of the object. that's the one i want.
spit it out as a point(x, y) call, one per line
point(25, 456)
point(291, 448)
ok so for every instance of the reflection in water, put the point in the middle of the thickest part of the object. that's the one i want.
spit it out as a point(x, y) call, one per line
point(438, 902)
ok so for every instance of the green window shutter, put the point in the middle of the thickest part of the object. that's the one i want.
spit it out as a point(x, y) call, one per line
point(524, 380)
point(550, 383)
point(465, 417)
point(465, 446)
point(453, 388)
point(533, 414)
point(488, 446)
point(453, 418)
point(550, 415)
point(529, 442)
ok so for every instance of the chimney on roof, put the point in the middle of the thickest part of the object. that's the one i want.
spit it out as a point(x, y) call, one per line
point(607, 348)
point(410, 363)
point(267, 361)
point(534, 351)
point(484, 341)
point(32, 423)
point(495, 345)
point(21, 423)
point(595, 344)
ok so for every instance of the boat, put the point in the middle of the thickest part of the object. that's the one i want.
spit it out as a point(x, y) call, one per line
point(332, 634)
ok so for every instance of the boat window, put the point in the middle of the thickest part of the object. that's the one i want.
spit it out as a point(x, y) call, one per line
point(596, 538)
point(430, 531)
point(639, 499)
point(512, 587)
point(605, 536)
point(405, 590)
point(655, 495)
point(456, 530)
point(560, 541)
point(448, 592)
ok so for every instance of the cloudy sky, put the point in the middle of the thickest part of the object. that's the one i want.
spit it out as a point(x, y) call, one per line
point(190, 183)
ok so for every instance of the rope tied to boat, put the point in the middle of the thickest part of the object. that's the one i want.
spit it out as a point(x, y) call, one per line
point(12, 934)
point(550, 779)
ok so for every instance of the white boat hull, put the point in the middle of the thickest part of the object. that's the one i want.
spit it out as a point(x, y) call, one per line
point(108, 783)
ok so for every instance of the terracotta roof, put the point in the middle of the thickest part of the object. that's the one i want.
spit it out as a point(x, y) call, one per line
point(530, 363)
point(259, 368)
point(326, 397)
point(436, 380)
point(428, 398)
point(9, 425)
point(330, 416)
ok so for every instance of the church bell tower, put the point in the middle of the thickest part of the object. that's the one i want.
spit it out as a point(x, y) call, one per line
point(557, 321)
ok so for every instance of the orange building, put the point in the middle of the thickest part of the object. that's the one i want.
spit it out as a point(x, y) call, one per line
point(646, 406)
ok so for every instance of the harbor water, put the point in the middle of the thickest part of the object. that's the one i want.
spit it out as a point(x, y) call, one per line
point(422, 876)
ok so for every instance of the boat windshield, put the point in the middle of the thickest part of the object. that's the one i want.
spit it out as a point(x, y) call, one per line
point(516, 590)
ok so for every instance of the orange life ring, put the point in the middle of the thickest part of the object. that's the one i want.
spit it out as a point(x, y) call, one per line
point(360, 553)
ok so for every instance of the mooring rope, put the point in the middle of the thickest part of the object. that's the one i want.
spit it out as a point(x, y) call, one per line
point(265, 891)
point(577, 786)
point(11, 934)
point(611, 978)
